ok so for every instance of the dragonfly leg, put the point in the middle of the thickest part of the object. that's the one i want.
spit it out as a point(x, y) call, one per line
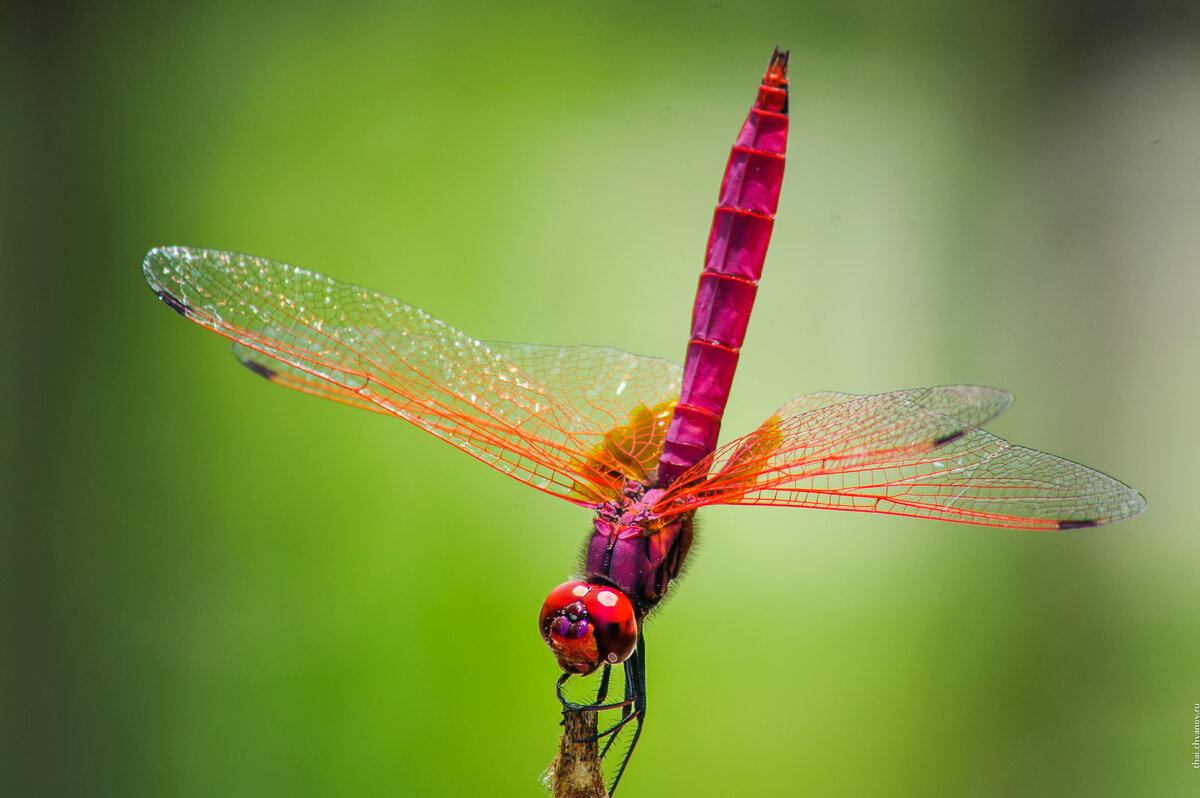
point(632, 706)
point(601, 694)
point(598, 704)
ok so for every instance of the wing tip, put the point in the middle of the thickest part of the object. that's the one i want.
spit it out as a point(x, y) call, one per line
point(260, 369)
point(156, 268)
point(1134, 505)
point(1077, 524)
point(173, 302)
point(155, 258)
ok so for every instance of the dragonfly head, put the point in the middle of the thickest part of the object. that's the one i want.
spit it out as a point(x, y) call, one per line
point(588, 625)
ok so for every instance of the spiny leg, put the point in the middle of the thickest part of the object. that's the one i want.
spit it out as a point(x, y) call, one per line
point(634, 707)
point(601, 694)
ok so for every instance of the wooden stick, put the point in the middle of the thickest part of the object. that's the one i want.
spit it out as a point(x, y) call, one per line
point(576, 772)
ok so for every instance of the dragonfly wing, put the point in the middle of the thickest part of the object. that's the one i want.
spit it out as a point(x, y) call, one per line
point(974, 405)
point(624, 400)
point(291, 377)
point(540, 414)
point(917, 453)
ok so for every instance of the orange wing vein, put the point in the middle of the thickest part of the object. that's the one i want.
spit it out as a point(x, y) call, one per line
point(545, 415)
point(917, 453)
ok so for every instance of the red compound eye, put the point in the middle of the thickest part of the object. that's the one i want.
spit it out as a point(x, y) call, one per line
point(588, 625)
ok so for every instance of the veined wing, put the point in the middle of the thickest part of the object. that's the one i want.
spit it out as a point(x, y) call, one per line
point(917, 453)
point(561, 419)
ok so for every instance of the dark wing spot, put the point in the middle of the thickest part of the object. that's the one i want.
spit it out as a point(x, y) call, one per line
point(953, 436)
point(260, 369)
point(1078, 524)
point(173, 303)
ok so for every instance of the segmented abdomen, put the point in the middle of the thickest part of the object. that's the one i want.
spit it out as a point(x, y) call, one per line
point(737, 245)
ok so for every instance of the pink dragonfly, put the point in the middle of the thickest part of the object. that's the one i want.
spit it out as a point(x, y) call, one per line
point(634, 438)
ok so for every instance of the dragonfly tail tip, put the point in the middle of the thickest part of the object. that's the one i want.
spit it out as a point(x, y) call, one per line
point(777, 69)
point(779, 61)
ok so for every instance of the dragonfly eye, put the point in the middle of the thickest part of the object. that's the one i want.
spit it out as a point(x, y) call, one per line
point(588, 625)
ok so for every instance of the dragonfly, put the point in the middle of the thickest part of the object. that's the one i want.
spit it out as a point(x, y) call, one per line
point(634, 439)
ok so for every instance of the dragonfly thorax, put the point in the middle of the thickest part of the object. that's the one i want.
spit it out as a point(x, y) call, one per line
point(636, 548)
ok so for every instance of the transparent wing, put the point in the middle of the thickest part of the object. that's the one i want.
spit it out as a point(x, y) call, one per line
point(570, 421)
point(917, 453)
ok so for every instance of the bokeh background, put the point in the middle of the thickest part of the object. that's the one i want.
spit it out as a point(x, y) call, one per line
point(215, 587)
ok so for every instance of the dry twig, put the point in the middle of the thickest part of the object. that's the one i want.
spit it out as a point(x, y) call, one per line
point(576, 772)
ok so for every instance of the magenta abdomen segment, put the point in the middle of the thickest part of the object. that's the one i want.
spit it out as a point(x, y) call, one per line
point(737, 246)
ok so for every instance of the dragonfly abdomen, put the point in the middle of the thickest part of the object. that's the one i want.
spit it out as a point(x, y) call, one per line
point(737, 247)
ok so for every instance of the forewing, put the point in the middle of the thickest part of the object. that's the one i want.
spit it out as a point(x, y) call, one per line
point(624, 400)
point(916, 453)
point(542, 414)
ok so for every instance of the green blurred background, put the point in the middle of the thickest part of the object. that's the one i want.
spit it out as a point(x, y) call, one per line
point(215, 587)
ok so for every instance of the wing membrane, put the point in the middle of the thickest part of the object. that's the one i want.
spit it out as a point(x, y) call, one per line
point(917, 453)
point(541, 414)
